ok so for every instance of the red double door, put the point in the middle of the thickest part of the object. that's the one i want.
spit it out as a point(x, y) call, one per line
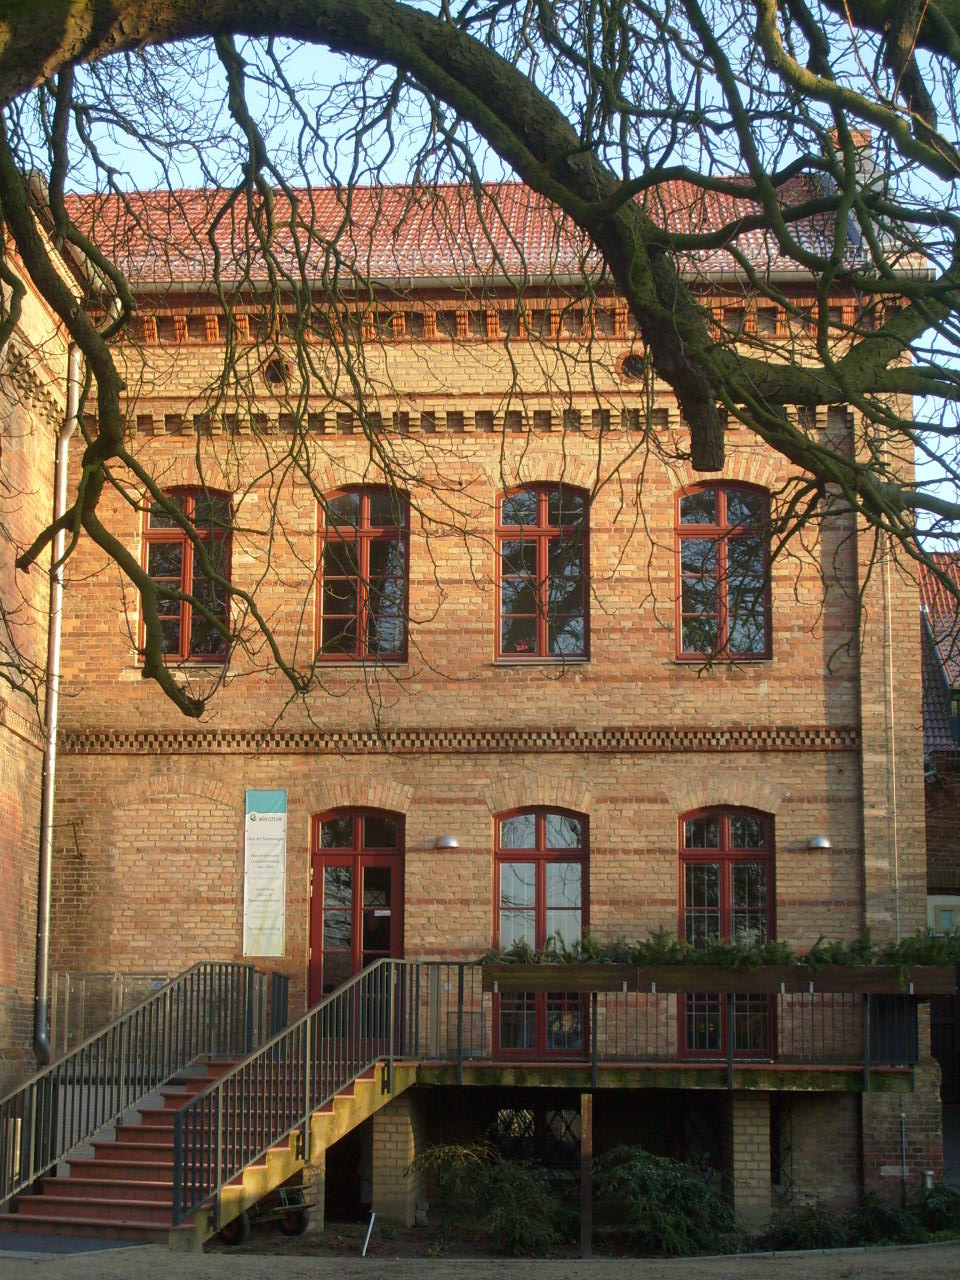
point(356, 903)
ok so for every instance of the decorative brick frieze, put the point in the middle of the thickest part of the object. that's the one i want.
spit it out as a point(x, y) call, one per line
point(410, 741)
point(22, 725)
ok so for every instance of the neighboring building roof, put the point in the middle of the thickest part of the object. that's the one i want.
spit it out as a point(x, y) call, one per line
point(405, 234)
point(937, 733)
point(943, 611)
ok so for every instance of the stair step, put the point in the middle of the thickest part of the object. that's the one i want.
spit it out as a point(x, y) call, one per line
point(89, 1225)
point(137, 1170)
point(115, 1209)
point(124, 1151)
point(110, 1188)
point(140, 1133)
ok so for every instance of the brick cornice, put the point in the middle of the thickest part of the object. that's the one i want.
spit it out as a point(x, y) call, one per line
point(22, 726)
point(640, 740)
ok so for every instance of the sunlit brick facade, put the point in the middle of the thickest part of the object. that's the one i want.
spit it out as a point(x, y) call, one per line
point(480, 393)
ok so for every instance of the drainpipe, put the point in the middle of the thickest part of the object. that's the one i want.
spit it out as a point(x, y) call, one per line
point(41, 1026)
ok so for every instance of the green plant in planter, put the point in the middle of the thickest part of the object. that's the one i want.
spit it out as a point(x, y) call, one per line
point(665, 1206)
point(746, 951)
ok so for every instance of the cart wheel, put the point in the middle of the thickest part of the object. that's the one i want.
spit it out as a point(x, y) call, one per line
point(295, 1221)
point(237, 1229)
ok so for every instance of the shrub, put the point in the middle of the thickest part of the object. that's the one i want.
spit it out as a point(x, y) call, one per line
point(525, 1215)
point(815, 1227)
point(940, 1208)
point(513, 1202)
point(666, 1206)
point(877, 1221)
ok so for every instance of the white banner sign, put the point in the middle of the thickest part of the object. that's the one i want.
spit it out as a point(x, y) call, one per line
point(264, 873)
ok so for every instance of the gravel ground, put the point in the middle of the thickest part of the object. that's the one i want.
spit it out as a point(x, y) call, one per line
point(923, 1262)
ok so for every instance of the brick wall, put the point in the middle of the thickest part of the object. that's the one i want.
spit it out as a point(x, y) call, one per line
point(821, 1148)
point(149, 854)
point(745, 1132)
point(32, 380)
point(884, 1133)
point(943, 825)
point(399, 1134)
point(825, 735)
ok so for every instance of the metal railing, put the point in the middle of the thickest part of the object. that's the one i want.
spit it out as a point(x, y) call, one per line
point(211, 1010)
point(438, 1012)
point(82, 1002)
point(250, 1109)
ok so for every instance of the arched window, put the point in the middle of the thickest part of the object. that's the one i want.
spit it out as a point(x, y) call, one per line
point(542, 573)
point(726, 893)
point(363, 574)
point(356, 894)
point(540, 882)
point(176, 566)
point(723, 598)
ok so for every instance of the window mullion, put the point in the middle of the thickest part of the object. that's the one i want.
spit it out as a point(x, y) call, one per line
point(363, 588)
point(540, 902)
point(186, 586)
point(543, 593)
point(722, 589)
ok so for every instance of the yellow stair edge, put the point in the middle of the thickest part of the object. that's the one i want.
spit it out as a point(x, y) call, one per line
point(368, 1096)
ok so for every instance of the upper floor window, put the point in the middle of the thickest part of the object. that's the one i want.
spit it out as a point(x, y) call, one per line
point(191, 603)
point(363, 568)
point(723, 604)
point(543, 573)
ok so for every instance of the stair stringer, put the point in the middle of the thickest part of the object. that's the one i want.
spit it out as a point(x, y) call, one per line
point(367, 1095)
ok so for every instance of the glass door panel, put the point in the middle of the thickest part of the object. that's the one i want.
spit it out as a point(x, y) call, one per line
point(376, 916)
point(338, 930)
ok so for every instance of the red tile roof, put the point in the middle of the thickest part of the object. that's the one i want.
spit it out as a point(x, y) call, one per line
point(937, 733)
point(405, 234)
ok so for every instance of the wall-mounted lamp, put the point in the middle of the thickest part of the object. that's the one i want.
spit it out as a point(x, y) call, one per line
point(447, 842)
point(819, 842)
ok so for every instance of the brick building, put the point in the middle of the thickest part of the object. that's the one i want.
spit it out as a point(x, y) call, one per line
point(940, 644)
point(32, 404)
point(514, 732)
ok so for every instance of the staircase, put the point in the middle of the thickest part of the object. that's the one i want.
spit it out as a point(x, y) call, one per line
point(124, 1189)
point(217, 1135)
point(108, 1108)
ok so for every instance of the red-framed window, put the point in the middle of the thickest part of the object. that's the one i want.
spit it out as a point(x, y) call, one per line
point(723, 572)
point(363, 555)
point(541, 895)
point(542, 573)
point(726, 893)
point(191, 602)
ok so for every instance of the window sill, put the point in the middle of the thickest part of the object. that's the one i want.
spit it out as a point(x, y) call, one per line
point(359, 664)
point(193, 664)
point(723, 663)
point(511, 661)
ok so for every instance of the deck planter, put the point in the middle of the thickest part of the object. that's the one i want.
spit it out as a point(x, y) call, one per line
point(917, 980)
